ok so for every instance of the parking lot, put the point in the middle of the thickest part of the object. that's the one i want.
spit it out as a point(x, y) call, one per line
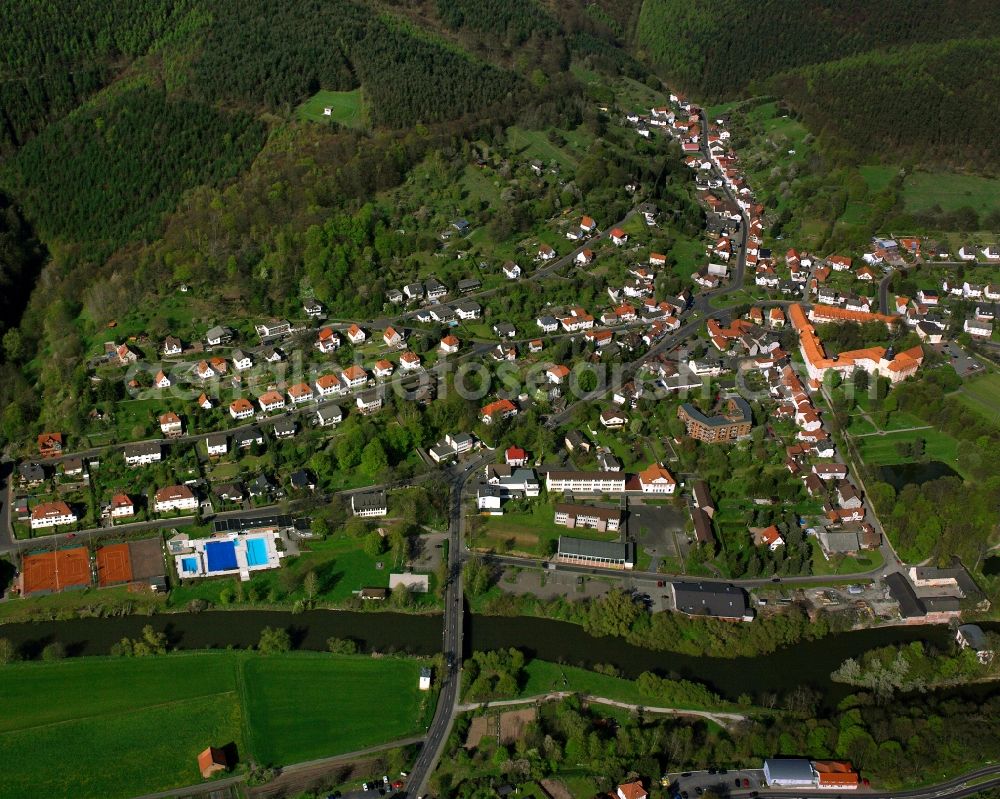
point(722, 782)
point(964, 364)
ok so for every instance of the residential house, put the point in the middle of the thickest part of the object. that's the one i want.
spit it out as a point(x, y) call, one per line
point(171, 425)
point(171, 498)
point(613, 419)
point(769, 537)
point(497, 410)
point(122, 506)
point(409, 361)
point(313, 308)
point(244, 439)
point(512, 271)
point(172, 346)
point(354, 376)
point(356, 335)
point(218, 335)
point(51, 514)
point(329, 385)
point(271, 401)
point(329, 415)
point(392, 338)
point(284, 427)
point(242, 361)
point(368, 402)
point(328, 340)
point(467, 309)
point(619, 237)
point(142, 454)
point(217, 444)
point(273, 328)
point(300, 393)
point(449, 344)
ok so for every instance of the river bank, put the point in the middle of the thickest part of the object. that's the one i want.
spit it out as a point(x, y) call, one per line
point(808, 663)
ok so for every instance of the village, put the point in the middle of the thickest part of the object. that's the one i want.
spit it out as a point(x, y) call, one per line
point(569, 470)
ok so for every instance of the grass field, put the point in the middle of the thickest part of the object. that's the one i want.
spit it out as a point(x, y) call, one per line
point(951, 191)
point(844, 565)
point(347, 108)
point(983, 394)
point(532, 532)
point(305, 707)
point(156, 714)
point(880, 450)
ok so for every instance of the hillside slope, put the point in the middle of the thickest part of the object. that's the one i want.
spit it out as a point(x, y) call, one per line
point(716, 48)
point(931, 102)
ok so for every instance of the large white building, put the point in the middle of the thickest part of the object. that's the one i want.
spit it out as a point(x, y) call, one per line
point(586, 482)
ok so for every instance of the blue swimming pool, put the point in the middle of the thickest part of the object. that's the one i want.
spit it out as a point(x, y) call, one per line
point(189, 565)
point(221, 555)
point(256, 551)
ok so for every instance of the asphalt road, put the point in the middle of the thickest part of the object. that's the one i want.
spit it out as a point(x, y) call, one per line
point(440, 728)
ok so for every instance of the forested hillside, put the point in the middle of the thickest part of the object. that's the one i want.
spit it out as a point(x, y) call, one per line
point(52, 57)
point(716, 48)
point(934, 102)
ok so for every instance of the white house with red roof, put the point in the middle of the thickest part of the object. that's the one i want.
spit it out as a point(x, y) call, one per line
point(515, 456)
point(241, 408)
point(619, 237)
point(356, 335)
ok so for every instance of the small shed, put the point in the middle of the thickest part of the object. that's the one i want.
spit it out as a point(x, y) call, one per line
point(213, 760)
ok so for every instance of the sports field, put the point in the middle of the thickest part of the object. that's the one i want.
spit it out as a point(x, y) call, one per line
point(54, 571)
point(107, 727)
point(113, 565)
point(346, 108)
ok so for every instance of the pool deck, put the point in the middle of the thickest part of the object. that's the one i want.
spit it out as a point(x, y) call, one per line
point(243, 566)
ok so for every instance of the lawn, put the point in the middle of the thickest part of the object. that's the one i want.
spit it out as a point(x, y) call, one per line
point(950, 191)
point(310, 706)
point(279, 708)
point(533, 144)
point(532, 532)
point(877, 177)
point(863, 562)
point(982, 394)
point(347, 108)
point(880, 450)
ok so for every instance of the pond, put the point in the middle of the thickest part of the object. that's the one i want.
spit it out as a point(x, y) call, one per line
point(808, 663)
point(901, 474)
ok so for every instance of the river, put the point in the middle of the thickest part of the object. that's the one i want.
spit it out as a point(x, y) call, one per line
point(808, 663)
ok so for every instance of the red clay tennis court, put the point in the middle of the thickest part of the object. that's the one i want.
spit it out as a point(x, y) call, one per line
point(54, 571)
point(114, 565)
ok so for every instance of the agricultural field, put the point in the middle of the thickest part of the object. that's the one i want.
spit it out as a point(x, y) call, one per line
point(950, 191)
point(80, 709)
point(346, 108)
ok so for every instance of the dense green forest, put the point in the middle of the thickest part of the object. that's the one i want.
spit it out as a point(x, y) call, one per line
point(715, 48)
point(933, 102)
point(52, 58)
point(110, 170)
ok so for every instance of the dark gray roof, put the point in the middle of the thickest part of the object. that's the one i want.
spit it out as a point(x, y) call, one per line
point(717, 600)
point(369, 500)
point(146, 448)
point(910, 605)
point(616, 551)
point(742, 407)
point(702, 526)
point(974, 636)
